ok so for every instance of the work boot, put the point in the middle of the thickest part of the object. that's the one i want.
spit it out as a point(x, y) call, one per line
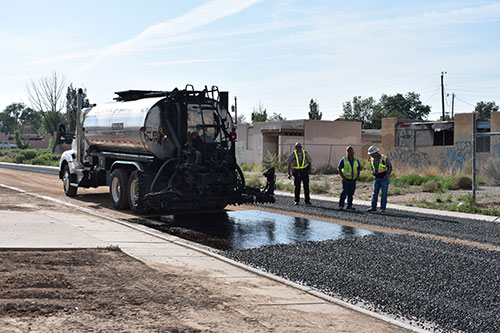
point(296, 203)
point(308, 203)
point(350, 208)
point(371, 209)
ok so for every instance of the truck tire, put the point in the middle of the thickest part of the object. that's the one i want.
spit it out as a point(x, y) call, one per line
point(69, 190)
point(136, 193)
point(118, 188)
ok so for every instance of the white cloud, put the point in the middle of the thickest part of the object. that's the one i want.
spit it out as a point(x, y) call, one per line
point(170, 30)
point(185, 61)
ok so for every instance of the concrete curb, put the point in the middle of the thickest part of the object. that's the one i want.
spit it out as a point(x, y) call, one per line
point(31, 168)
point(426, 211)
point(195, 247)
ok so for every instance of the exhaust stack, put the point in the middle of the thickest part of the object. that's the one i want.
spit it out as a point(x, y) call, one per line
point(79, 132)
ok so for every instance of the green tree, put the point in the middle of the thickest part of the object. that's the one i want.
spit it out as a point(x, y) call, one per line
point(360, 109)
point(19, 141)
point(9, 118)
point(408, 106)
point(314, 110)
point(484, 109)
point(31, 121)
point(71, 106)
point(259, 114)
point(17, 116)
point(370, 113)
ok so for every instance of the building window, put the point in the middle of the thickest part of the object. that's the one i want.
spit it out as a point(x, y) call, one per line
point(443, 138)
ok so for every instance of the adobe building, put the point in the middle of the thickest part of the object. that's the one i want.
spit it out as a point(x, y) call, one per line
point(325, 141)
point(445, 145)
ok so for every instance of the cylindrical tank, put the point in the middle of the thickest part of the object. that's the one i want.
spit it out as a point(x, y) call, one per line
point(130, 127)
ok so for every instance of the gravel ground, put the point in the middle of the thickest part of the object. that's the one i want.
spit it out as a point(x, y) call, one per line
point(472, 230)
point(453, 286)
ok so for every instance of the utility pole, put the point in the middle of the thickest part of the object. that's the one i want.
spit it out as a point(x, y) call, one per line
point(442, 93)
point(452, 104)
point(235, 111)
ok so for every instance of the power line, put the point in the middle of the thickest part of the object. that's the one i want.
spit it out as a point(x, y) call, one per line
point(463, 101)
point(434, 93)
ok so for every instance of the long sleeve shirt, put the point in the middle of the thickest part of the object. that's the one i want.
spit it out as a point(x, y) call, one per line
point(376, 162)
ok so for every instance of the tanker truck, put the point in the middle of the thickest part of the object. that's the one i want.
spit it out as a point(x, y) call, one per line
point(159, 151)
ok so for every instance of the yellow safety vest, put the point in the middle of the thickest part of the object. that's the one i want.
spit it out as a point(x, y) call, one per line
point(347, 170)
point(304, 164)
point(381, 166)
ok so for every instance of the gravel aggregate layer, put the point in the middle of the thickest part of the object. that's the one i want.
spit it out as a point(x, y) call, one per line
point(466, 229)
point(453, 286)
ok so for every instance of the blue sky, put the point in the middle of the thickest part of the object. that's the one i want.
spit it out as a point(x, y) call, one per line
point(281, 53)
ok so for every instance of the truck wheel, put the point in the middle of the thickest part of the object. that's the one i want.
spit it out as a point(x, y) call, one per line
point(69, 190)
point(135, 193)
point(119, 188)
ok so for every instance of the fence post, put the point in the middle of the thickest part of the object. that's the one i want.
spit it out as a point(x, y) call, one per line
point(474, 185)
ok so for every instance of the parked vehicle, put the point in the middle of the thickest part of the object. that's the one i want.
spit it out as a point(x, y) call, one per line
point(7, 144)
point(163, 151)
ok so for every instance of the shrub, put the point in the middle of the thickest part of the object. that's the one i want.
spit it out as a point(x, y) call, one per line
point(278, 162)
point(463, 182)
point(365, 176)
point(410, 179)
point(320, 188)
point(394, 191)
point(25, 155)
point(432, 186)
point(46, 159)
point(326, 170)
point(285, 187)
point(253, 180)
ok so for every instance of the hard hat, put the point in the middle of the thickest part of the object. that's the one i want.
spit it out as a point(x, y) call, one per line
point(297, 144)
point(372, 150)
point(349, 147)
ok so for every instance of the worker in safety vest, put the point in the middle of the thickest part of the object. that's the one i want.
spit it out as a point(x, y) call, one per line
point(381, 170)
point(300, 162)
point(349, 169)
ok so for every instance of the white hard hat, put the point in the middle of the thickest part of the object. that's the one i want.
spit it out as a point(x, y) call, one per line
point(372, 150)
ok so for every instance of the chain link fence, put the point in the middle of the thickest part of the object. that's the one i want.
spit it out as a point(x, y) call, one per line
point(486, 168)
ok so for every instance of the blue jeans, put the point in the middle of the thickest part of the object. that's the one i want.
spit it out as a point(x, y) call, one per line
point(380, 183)
point(348, 188)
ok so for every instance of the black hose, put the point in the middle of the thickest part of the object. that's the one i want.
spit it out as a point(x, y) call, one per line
point(158, 174)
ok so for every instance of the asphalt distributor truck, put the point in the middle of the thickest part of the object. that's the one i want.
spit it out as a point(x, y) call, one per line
point(159, 151)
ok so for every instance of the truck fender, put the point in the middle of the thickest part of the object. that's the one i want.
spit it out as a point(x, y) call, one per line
point(138, 166)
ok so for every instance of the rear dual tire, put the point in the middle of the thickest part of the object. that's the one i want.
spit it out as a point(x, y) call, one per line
point(125, 190)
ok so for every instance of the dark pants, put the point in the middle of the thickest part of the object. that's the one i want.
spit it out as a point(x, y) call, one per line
point(301, 175)
point(348, 188)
